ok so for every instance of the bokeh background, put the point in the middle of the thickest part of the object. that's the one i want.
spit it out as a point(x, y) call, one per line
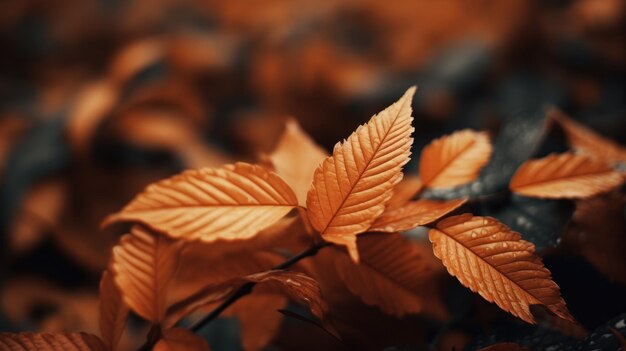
point(100, 97)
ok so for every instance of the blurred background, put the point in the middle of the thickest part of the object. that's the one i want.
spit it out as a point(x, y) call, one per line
point(100, 97)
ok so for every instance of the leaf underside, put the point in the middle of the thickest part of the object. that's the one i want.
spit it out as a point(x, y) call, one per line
point(50, 342)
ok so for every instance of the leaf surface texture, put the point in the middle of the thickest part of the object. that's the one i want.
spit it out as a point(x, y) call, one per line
point(492, 260)
point(565, 176)
point(351, 187)
point(454, 159)
point(233, 202)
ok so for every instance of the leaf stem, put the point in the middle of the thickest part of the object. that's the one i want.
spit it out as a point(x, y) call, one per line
point(247, 288)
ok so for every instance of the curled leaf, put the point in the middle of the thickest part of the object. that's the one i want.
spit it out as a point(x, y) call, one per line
point(296, 157)
point(351, 187)
point(178, 339)
point(413, 214)
point(454, 159)
point(492, 260)
point(143, 266)
point(565, 176)
point(50, 342)
point(113, 312)
point(297, 286)
point(232, 202)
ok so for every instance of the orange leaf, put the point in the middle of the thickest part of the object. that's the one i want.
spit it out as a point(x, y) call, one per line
point(50, 342)
point(181, 340)
point(296, 157)
point(564, 176)
point(351, 187)
point(113, 312)
point(586, 141)
point(232, 202)
point(492, 260)
point(454, 159)
point(393, 274)
point(413, 214)
point(143, 265)
point(409, 187)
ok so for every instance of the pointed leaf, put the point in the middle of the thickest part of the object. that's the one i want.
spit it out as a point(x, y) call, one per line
point(296, 157)
point(492, 260)
point(50, 342)
point(413, 214)
point(232, 202)
point(393, 274)
point(454, 159)
point(565, 176)
point(351, 187)
point(113, 312)
point(587, 141)
point(178, 339)
point(143, 265)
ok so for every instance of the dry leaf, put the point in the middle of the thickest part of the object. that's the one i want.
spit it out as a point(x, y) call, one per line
point(351, 187)
point(393, 274)
point(296, 157)
point(492, 260)
point(50, 342)
point(413, 214)
point(231, 202)
point(409, 187)
point(178, 339)
point(586, 141)
point(143, 266)
point(113, 312)
point(454, 159)
point(564, 176)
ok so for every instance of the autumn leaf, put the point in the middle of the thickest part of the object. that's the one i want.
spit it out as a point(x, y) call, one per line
point(143, 266)
point(413, 214)
point(113, 312)
point(409, 187)
point(492, 260)
point(50, 342)
point(588, 142)
point(232, 202)
point(564, 176)
point(351, 187)
point(295, 159)
point(454, 159)
point(178, 339)
point(393, 274)
point(297, 286)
